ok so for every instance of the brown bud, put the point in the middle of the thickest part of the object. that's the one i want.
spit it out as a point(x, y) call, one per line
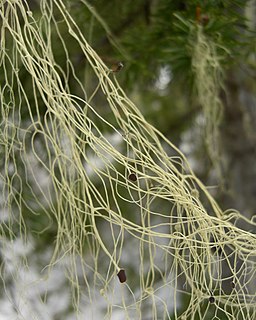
point(204, 19)
point(132, 177)
point(121, 276)
point(117, 67)
point(211, 299)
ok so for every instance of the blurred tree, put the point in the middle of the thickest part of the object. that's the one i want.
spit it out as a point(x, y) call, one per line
point(189, 65)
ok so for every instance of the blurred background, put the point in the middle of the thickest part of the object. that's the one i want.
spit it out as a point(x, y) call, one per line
point(197, 88)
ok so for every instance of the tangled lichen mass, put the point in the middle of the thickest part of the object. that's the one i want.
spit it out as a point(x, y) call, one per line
point(105, 190)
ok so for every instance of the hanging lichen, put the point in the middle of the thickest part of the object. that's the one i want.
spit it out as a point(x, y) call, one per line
point(106, 206)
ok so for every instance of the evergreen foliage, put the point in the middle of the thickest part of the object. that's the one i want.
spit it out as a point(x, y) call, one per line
point(97, 205)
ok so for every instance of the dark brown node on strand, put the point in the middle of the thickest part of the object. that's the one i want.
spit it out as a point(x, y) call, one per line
point(132, 177)
point(232, 283)
point(121, 276)
point(211, 299)
point(117, 67)
point(204, 19)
